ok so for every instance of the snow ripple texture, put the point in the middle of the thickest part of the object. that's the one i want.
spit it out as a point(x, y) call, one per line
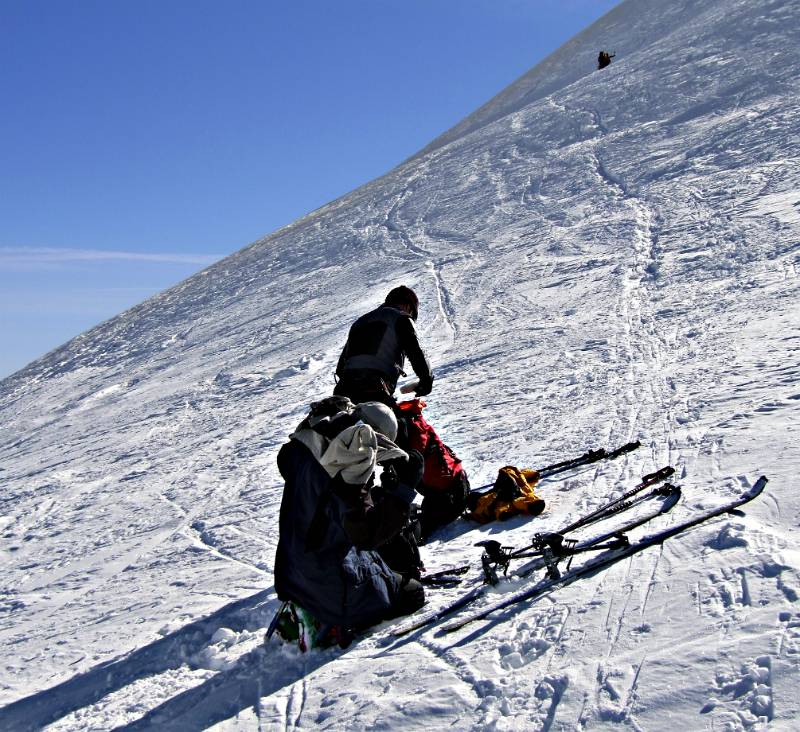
point(601, 256)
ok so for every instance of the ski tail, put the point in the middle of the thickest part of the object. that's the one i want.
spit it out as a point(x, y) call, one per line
point(623, 450)
point(444, 576)
point(590, 457)
point(439, 614)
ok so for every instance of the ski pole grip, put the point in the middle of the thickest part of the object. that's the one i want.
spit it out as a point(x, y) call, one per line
point(660, 474)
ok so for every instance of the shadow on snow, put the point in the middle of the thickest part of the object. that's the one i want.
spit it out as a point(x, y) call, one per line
point(255, 675)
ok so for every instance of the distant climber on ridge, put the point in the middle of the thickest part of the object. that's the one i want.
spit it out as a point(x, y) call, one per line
point(604, 59)
point(377, 346)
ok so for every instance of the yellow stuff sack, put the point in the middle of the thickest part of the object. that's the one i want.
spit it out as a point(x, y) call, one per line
point(513, 493)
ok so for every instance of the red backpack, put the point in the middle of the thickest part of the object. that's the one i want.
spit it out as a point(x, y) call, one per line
point(443, 470)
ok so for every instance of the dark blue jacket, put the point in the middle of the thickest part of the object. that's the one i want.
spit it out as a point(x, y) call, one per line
point(317, 564)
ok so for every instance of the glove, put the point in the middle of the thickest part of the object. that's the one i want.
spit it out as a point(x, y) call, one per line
point(401, 440)
point(425, 386)
point(409, 472)
point(400, 477)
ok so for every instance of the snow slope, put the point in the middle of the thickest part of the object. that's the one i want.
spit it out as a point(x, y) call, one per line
point(601, 256)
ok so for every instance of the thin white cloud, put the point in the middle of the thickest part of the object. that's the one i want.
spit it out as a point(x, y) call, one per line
point(51, 255)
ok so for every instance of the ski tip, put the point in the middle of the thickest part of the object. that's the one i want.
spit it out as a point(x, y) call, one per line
point(753, 491)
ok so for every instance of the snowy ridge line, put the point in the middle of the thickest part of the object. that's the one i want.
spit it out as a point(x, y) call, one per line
point(557, 72)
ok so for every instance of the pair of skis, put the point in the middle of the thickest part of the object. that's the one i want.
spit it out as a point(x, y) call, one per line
point(542, 552)
point(544, 542)
point(550, 548)
point(502, 556)
point(612, 556)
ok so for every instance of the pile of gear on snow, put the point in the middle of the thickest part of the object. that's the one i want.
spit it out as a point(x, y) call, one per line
point(348, 553)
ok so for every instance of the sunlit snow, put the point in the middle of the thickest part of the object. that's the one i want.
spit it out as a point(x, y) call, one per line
point(601, 256)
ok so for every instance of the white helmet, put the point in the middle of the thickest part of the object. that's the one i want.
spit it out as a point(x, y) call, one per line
point(378, 416)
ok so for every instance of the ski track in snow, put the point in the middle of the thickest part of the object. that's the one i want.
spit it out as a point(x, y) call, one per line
point(601, 257)
point(395, 226)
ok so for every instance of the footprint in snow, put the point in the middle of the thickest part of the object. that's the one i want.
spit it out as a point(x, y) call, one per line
point(742, 698)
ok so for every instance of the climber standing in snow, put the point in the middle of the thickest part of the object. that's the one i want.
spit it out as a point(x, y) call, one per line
point(378, 343)
point(604, 59)
point(333, 518)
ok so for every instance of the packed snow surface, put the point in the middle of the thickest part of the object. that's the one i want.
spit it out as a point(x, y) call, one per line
point(601, 256)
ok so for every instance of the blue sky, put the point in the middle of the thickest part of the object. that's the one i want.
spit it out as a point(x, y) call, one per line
point(142, 140)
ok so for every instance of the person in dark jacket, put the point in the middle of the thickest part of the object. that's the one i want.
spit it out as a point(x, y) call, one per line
point(374, 356)
point(604, 59)
point(333, 517)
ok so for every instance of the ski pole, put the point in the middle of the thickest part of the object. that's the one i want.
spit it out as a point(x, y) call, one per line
point(592, 456)
point(274, 624)
point(607, 509)
point(647, 480)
